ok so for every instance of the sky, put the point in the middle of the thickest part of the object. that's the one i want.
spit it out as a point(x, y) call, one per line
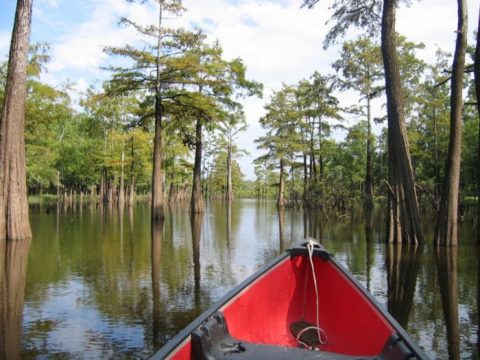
point(279, 41)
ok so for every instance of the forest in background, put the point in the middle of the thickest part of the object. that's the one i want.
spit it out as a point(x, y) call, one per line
point(89, 148)
point(173, 98)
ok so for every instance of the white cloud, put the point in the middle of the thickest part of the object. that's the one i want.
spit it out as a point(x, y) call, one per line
point(82, 47)
point(277, 42)
point(433, 22)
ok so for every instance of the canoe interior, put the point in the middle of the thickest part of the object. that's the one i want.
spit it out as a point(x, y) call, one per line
point(262, 312)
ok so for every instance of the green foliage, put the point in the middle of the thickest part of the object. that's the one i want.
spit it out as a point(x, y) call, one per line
point(47, 113)
point(429, 127)
point(217, 180)
point(361, 66)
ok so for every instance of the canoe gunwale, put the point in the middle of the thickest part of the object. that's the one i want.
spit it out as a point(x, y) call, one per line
point(182, 338)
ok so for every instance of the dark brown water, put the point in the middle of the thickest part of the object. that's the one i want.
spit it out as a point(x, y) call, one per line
point(103, 284)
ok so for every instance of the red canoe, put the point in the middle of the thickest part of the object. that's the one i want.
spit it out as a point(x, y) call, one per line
point(286, 311)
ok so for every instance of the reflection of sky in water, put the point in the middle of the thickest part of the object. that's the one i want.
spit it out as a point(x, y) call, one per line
point(76, 326)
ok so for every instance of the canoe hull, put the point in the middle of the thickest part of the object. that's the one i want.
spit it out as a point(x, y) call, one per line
point(262, 310)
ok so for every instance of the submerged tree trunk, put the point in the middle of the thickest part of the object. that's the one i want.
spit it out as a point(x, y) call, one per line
point(477, 90)
point(281, 186)
point(197, 204)
point(158, 211)
point(404, 217)
point(447, 221)
point(14, 222)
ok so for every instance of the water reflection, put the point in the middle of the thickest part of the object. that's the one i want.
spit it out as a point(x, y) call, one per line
point(314, 224)
point(369, 245)
point(446, 260)
point(156, 254)
point(13, 267)
point(124, 288)
point(281, 228)
point(229, 224)
point(403, 263)
point(196, 223)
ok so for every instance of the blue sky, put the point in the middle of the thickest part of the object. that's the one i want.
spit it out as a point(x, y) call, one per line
point(278, 41)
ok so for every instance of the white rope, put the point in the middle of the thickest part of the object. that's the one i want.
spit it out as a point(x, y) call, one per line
point(321, 339)
point(319, 331)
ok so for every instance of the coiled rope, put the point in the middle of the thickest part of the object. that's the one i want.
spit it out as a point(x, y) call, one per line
point(322, 336)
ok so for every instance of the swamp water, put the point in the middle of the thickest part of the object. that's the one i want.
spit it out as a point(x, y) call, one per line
point(101, 283)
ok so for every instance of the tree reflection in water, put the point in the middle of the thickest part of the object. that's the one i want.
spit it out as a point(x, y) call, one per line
point(369, 244)
point(196, 223)
point(403, 263)
point(314, 224)
point(13, 267)
point(281, 228)
point(156, 254)
point(446, 260)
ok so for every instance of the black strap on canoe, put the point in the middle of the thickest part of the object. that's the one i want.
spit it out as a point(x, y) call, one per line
point(302, 250)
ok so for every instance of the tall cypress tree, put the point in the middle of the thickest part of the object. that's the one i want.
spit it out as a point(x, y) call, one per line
point(446, 231)
point(14, 222)
point(372, 15)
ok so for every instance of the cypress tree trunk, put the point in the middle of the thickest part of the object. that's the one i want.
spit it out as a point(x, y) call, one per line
point(369, 173)
point(131, 196)
point(305, 179)
point(281, 187)
point(229, 196)
point(313, 167)
point(103, 187)
point(158, 211)
point(172, 193)
point(58, 186)
point(437, 188)
point(446, 231)
point(14, 222)
point(320, 142)
point(121, 190)
point(197, 204)
point(477, 90)
point(404, 217)
point(111, 191)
